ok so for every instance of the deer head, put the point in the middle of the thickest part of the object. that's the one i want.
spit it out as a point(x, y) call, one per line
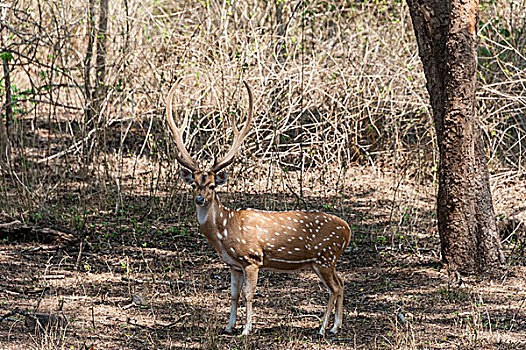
point(204, 182)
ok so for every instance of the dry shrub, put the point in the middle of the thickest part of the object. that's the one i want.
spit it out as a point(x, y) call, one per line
point(336, 82)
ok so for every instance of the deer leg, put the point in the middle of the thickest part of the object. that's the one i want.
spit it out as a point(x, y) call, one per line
point(251, 280)
point(236, 282)
point(339, 306)
point(326, 275)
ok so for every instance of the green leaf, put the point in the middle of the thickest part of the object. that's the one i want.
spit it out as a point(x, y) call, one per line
point(6, 56)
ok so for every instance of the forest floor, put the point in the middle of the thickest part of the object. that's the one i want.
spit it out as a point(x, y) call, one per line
point(397, 293)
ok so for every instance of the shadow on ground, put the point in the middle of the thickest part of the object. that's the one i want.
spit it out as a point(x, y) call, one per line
point(397, 293)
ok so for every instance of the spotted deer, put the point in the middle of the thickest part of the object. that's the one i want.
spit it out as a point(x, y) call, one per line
point(249, 240)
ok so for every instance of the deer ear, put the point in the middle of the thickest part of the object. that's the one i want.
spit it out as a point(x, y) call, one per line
point(221, 178)
point(187, 176)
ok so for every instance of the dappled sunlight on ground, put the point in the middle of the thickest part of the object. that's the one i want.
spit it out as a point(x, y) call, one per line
point(397, 294)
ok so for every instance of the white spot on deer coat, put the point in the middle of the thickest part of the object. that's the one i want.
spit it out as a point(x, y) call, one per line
point(292, 261)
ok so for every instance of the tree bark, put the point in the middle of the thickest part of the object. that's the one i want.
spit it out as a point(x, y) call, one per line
point(89, 112)
point(4, 128)
point(446, 32)
point(102, 38)
point(95, 95)
point(98, 37)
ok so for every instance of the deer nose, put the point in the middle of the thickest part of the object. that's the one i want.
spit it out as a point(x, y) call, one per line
point(199, 200)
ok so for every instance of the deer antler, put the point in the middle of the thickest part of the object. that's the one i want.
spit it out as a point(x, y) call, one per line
point(182, 155)
point(238, 135)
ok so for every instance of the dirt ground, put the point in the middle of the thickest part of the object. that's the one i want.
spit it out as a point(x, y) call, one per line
point(397, 293)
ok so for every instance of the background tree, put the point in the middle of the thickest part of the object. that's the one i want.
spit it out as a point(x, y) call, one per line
point(446, 32)
point(4, 128)
point(95, 95)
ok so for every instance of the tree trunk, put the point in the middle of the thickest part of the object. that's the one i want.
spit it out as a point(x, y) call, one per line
point(102, 38)
point(447, 41)
point(97, 36)
point(89, 112)
point(4, 128)
point(94, 95)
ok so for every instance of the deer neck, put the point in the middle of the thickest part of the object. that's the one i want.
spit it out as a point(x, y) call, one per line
point(212, 219)
point(207, 215)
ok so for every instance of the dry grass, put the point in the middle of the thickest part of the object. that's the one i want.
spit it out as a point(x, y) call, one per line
point(397, 295)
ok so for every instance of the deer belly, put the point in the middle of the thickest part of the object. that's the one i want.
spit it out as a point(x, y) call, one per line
point(286, 265)
point(229, 260)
